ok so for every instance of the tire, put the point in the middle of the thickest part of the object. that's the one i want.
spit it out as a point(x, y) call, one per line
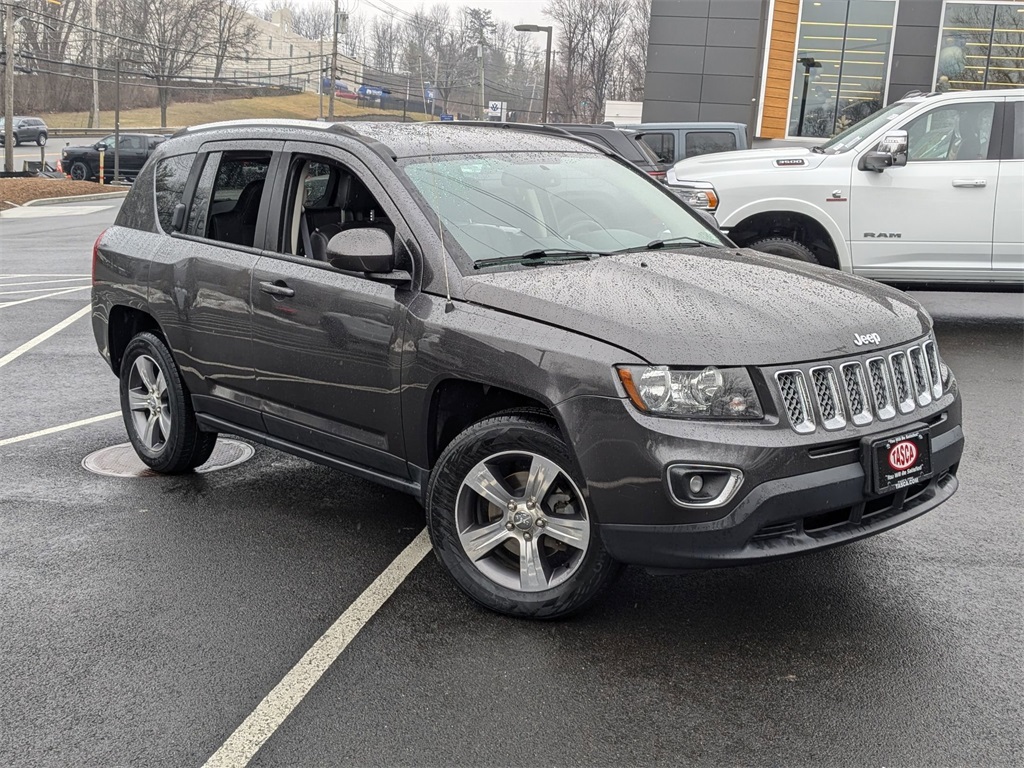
point(41, 139)
point(17, 141)
point(79, 171)
point(157, 409)
point(542, 560)
point(784, 246)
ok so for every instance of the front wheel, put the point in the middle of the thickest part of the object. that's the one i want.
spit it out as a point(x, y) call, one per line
point(509, 520)
point(784, 246)
point(157, 410)
point(79, 171)
point(41, 139)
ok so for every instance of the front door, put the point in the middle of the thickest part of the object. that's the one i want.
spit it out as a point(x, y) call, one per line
point(328, 344)
point(933, 217)
point(132, 154)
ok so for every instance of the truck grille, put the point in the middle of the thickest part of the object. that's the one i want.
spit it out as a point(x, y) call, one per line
point(861, 392)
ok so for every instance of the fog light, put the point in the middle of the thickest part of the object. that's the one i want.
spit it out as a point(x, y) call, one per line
point(702, 485)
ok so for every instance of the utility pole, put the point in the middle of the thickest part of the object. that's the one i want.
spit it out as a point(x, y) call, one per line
point(94, 117)
point(323, 76)
point(117, 118)
point(334, 59)
point(483, 98)
point(9, 88)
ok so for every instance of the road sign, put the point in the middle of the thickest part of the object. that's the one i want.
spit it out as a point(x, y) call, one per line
point(496, 110)
point(447, 118)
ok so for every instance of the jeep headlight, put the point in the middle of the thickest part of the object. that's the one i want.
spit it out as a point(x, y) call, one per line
point(710, 393)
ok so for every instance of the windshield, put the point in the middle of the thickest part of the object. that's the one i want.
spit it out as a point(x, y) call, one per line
point(856, 133)
point(503, 206)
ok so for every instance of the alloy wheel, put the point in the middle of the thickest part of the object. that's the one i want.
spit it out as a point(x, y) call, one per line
point(522, 521)
point(149, 403)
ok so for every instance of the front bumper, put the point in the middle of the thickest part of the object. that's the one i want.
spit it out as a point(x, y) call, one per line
point(799, 494)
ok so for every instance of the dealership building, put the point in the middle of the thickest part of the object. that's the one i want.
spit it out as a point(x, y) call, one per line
point(809, 68)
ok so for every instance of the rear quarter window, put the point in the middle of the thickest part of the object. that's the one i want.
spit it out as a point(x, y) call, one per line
point(170, 179)
point(707, 142)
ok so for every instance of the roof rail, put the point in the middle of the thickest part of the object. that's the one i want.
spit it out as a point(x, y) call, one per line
point(534, 128)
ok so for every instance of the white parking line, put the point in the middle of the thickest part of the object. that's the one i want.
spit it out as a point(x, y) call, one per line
point(12, 356)
point(48, 282)
point(54, 274)
point(242, 745)
point(61, 428)
point(44, 296)
point(23, 291)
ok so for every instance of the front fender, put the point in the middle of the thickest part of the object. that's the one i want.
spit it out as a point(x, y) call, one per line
point(796, 205)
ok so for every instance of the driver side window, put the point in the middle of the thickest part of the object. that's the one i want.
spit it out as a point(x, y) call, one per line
point(953, 132)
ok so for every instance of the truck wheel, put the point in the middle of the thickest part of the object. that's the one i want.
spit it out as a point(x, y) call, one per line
point(41, 139)
point(79, 171)
point(157, 410)
point(784, 246)
point(509, 521)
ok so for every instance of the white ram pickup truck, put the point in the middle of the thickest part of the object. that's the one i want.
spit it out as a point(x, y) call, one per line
point(929, 190)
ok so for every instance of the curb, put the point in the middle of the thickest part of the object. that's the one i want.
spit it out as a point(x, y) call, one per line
point(75, 198)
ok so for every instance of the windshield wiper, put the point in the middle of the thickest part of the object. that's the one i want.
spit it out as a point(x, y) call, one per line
point(655, 245)
point(536, 256)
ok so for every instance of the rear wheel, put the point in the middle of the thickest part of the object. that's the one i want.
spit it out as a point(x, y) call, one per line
point(784, 246)
point(157, 409)
point(41, 139)
point(17, 141)
point(79, 171)
point(509, 520)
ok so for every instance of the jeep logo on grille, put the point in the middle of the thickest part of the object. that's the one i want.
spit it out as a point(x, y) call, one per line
point(903, 455)
point(860, 339)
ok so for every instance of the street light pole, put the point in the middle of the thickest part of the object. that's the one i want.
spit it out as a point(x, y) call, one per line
point(9, 89)
point(334, 61)
point(808, 63)
point(547, 62)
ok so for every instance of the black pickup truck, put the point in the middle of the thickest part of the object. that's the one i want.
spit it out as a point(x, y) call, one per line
point(83, 163)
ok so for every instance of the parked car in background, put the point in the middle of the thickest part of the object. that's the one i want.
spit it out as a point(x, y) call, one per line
point(566, 365)
point(624, 142)
point(83, 163)
point(928, 190)
point(672, 142)
point(25, 130)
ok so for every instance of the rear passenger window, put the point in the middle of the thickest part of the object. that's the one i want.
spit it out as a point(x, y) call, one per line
point(237, 192)
point(171, 176)
point(662, 144)
point(707, 142)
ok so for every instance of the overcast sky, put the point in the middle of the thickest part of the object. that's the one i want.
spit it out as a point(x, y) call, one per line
point(515, 11)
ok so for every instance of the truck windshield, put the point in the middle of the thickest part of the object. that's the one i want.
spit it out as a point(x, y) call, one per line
point(507, 205)
point(856, 133)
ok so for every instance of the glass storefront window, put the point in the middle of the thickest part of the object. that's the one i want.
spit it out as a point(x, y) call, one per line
point(981, 46)
point(841, 63)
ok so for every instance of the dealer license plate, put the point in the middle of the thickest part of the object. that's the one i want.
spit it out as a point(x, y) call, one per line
point(900, 460)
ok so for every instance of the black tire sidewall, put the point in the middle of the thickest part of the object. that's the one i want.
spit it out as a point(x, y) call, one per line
point(79, 164)
point(519, 432)
point(178, 452)
point(786, 248)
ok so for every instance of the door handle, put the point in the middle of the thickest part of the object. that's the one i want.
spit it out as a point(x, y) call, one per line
point(277, 289)
point(969, 182)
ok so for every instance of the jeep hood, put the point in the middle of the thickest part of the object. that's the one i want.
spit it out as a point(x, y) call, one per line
point(707, 306)
point(801, 158)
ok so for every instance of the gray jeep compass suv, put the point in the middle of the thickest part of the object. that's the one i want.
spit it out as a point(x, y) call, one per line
point(565, 364)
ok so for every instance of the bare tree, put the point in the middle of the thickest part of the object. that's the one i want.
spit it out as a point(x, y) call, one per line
point(233, 32)
point(313, 21)
point(169, 43)
point(385, 43)
point(602, 46)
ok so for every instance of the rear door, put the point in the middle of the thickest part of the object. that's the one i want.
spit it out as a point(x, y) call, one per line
point(328, 344)
point(209, 277)
point(933, 218)
point(1008, 240)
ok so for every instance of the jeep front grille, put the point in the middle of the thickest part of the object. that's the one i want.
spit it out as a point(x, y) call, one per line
point(861, 391)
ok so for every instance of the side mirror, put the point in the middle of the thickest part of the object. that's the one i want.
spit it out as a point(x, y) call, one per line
point(362, 250)
point(99, 145)
point(708, 218)
point(891, 152)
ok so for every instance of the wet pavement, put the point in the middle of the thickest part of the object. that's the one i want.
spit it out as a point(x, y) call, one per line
point(144, 618)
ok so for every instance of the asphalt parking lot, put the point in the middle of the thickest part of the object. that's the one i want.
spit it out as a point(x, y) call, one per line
point(143, 620)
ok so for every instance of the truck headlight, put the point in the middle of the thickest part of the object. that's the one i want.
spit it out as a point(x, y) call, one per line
point(709, 393)
point(697, 194)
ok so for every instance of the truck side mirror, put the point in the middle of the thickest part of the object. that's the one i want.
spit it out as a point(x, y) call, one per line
point(891, 152)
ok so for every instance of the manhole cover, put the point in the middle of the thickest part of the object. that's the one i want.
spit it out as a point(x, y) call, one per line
point(121, 460)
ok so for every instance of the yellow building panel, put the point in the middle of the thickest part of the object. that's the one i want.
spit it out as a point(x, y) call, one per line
point(779, 74)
